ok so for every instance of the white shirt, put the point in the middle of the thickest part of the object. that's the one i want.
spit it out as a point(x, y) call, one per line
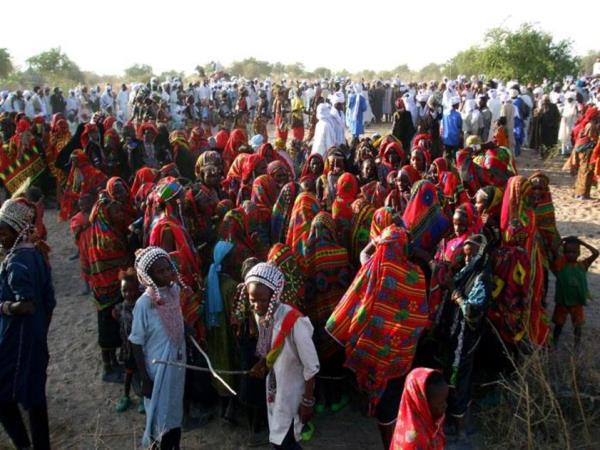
point(297, 363)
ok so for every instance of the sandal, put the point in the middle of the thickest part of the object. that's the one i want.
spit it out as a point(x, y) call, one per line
point(344, 401)
point(123, 404)
point(307, 431)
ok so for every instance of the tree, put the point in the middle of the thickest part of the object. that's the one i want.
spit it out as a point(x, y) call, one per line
point(200, 71)
point(587, 62)
point(527, 54)
point(322, 72)
point(466, 62)
point(250, 68)
point(431, 71)
point(6, 66)
point(170, 74)
point(55, 65)
point(295, 70)
point(139, 72)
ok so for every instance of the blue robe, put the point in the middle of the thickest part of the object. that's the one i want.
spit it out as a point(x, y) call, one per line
point(356, 126)
point(24, 339)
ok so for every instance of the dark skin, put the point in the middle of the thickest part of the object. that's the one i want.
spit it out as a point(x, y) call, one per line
point(163, 274)
point(459, 222)
point(538, 187)
point(281, 177)
point(368, 170)
point(337, 165)
point(211, 177)
point(26, 307)
point(259, 297)
point(403, 182)
point(437, 397)
point(417, 160)
point(120, 193)
point(316, 166)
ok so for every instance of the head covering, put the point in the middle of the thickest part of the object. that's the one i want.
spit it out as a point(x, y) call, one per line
point(293, 291)
point(166, 300)
point(214, 306)
point(306, 207)
point(381, 316)
point(270, 276)
point(382, 218)
point(415, 427)
point(256, 141)
point(423, 215)
point(17, 214)
point(282, 211)
point(264, 191)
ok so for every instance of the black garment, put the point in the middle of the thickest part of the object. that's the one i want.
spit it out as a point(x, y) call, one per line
point(289, 442)
point(95, 153)
point(10, 417)
point(548, 123)
point(386, 411)
point(58, 103)
point(169, 441)
point(63, 161)
point(185, 163)
point(109, 334)
point(403, 128)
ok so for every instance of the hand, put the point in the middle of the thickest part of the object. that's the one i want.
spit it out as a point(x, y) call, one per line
point(22, 308)
point(306, 413)
point(259, 370)
point(147, 387)
point(456, 297)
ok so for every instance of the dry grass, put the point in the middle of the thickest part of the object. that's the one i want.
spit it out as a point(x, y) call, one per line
point(550, 401)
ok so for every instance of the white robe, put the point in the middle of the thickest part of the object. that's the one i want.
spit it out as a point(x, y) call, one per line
point(567, 122)
point(325, 136)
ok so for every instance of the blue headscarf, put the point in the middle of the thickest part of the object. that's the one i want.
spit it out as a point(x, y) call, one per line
point(215, 300)
point(256, 141)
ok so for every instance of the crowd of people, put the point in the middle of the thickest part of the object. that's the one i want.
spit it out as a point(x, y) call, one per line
point(291, 268)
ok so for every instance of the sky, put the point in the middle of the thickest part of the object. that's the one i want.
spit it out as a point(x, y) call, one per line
point(107, 37)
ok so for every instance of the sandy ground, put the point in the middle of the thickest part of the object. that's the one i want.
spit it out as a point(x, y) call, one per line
point(81, 406)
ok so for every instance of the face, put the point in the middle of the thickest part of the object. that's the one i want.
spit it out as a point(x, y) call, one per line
point(470, 250)
point(571, 251)
point(337, 165)
point(418, 161)
point(211, 177)
point(120, 193)
point(7, 236)
point(368, 169)
point(162, 272)
point(459, 221)
point(403, 182)
point(438, 402)
point(393, 158)
point(480, 201)
point(537, 191)
point(130, 290)
point(308, 185)
point(261, 168)
point(281, 177)
point(259, 296)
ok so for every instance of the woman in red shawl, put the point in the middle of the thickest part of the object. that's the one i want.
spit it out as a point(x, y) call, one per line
point(118, 190)
point(327, 279)
point(424, 217)
point(59, 137)
point(83, 177)
point(169, 233)
point(253, 167)
point(517, 310)
point(420, 422)
point(305, 208)
point(420, 160)
point(452, 190)
point(379, 321)
point(107, 256)
point(372, 189)
point(282, 211)
point(341, 209)
point(264, 196)
point(198, 142)
point(143, 176)
point(382, 218)
point(235, 229)
point(313, 166)
point(280, 171)
point(400, 194)
point(362, 216)
point(237, 138)
point(391, 157)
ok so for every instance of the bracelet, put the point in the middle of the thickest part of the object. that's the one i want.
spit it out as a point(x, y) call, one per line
point(309, 403)
point(5, 308)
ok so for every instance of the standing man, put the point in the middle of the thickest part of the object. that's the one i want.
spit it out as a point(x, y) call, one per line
point(123, 104)
point(337, 114)
point(452, 128)
point(26, 305)
point(357, 105)
point(288, 357)
point(57, 101)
